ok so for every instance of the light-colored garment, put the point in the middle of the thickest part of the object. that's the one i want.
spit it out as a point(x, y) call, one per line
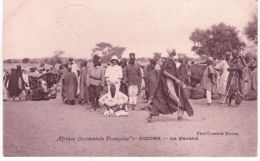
point(246, 83)
point(83, 84)
point(132, 93)
point(26, 80)
point(174, 96)
point(172, 92)
point(113, 75)
point(178, 64)
point(95, 76)
point(208, 96)
point(74, 68)
point(142, 79)
point(157, 67)
point(44, 85)
point(254, 79)
point(118, 99)
point(121, 113)
point(223, 77)
point(5, 88)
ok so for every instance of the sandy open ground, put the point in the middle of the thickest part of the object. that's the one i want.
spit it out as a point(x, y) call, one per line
point(33, 128)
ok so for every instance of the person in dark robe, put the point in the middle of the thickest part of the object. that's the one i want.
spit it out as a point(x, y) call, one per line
point(183, 71)
point(70, 84)
point(83, 83)
point(169, 96)
point(151, 79)
point(157, 59)
point(252, 93)
point(235, 77)
point(16, 83)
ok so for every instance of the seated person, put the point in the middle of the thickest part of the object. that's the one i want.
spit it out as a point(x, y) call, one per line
point(115, 101)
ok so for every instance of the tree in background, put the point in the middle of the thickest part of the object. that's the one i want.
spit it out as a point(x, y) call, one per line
point(25, 60)
point(251, 29)
point(216, 41)
point(9, 61)
point(251, 33)
point(108, 50)
point(56, 59)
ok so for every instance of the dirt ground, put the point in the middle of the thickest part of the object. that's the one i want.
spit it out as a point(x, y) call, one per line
point(33, 129)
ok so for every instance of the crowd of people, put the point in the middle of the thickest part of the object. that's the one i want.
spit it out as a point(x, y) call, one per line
point(30, 83)
point(167, 83)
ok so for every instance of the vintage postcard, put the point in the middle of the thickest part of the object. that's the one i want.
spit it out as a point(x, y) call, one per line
point(174, 78)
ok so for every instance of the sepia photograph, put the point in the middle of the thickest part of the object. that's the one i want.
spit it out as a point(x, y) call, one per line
point(130, 78)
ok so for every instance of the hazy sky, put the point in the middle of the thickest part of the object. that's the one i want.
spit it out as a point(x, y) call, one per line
point(36, 28)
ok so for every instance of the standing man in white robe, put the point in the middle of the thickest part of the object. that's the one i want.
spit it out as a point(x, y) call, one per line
point(222, 68)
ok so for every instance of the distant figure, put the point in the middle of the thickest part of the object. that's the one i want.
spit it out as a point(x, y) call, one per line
point(133, 80)
point(63, 71)
point(234, 84)
point(70, 84)
point(123, 86)
point(114, 73)
point(95, 82)
point(16, 83)
point(83, 83)
point(114, 101)
point(151, 79)
point(169, 95)
point(184, 71)
point(26, 89)
point(246, 80)
point(252, 93)
point(6, 82)
point(208, 80)
point(158, 59)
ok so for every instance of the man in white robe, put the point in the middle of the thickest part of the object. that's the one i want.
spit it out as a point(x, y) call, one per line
point(222, 68)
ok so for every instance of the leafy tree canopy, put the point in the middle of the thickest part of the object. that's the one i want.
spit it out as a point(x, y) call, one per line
point(216, 40)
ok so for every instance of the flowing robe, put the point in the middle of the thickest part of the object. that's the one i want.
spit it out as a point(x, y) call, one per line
point(70, 85)
point(15, 85)
point(83, 84)
point(223, 78)
point(164, 100)
point(151, 81)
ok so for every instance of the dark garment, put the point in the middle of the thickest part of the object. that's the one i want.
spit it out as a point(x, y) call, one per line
point(234, 83)
point(70, 84)
point(151, 81)
point(83, 84)
point(16, 83)
point(162, 101)
point(133, 74)
point(183, 71)
point(94, 94)
point(123, 86)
